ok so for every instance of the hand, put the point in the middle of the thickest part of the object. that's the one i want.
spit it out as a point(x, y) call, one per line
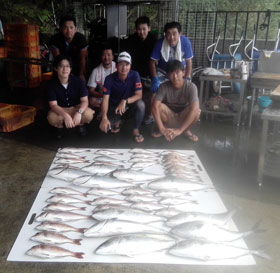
point(105, 125)
point(171, 133)
point(155, 84)
point(77, 119)
point(121, 108)
point(68, 121)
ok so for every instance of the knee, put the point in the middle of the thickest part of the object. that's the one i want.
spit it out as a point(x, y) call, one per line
point(87, 115)
point(54, 119)
point(140, 105)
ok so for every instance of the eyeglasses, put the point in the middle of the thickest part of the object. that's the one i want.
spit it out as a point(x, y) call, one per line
point(64, 66)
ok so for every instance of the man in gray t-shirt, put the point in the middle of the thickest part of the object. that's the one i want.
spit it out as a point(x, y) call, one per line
point(176, 105)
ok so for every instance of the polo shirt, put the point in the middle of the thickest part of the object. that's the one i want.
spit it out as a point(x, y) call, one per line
point(186, 47)
point(66, 97)
point(119, 90)
point(71, 50)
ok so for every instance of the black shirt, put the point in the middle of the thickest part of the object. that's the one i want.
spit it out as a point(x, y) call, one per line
point(71, 50)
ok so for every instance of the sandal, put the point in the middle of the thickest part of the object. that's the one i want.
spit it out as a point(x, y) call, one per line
point(138, 138)
point(156, 134)
point(116, 128)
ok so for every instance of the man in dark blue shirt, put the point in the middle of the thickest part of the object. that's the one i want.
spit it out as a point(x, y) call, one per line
point(122, 93)
point(68, 98)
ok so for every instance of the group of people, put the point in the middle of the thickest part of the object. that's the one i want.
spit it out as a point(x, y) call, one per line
point(160, 68)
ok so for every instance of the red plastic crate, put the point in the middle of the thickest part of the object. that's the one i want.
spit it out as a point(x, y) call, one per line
point(24, 52)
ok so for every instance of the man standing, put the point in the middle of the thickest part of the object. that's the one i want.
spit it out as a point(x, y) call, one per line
point(98, 75)
point(72, 44)
point(176, 106)
point(122, 94)
point(68, 99)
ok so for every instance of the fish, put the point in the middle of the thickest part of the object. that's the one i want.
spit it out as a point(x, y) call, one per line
point(147, 206)
point(66, 199)
point(73, 160)
point(170, 194)
point(142, 165)
point(74, 150)
point(209, 251)
point(174, 184)
point(134, 244)
point(109, 163)
point(66, 190)
point(107, 152)
point(132, 175)
point(168, 212)
point(50, 237)
point(106, 158)
point(58, 227)
point(62, 216)
point(62, 207)
point(96, 181)
point(108, 200)
point(69, 156)
point(143, 151)
point(110, 206)
point(154, 160)
point(219, 219)
point(101, 192)
point(126, 213)
point(177, 201)
point(210, 232)
point(51, 251)
point(140, 198)
point(136, 190)
point(66, 173)
point(100, 169)
point(114, 227)
point(145, 156)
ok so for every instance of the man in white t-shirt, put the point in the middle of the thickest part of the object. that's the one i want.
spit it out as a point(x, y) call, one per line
point(98, 75)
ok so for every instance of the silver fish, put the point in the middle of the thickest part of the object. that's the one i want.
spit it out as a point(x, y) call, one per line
point(165, 194)
point(101, 192)
point(107, 152)
point(126, 213)
point(147, 206)
point(66, 199)
point(143, 151)
point(62, 207)
point(219, 219)
point(110, 206)
point(130, 175)
point(208, 251)
point(66, 173)
point(114, 227)
point(145, 156)
point(50, 237)
point(61, 216)
point(95, 181)
point(106, 158)
point(69, 156)
point(74, 150)
point(210, 232)
point(177, 201)
point(94, 168)
point(108, 200)
point(66, 190)
point(50, 251)
point(168, 212)
point(140, 198)
point(142, 165)
point(135, 244)
point(69, 160)
point(136, 190)
point(58, 227)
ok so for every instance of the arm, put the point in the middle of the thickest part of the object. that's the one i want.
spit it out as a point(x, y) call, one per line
point(188, 71)
point(153, 70)
point(77, 116)
point(83, 55)
point(105, 123)
point(59, 111)
point(121, 107)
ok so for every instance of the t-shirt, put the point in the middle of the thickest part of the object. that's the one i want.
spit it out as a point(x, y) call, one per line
point(98, 75)
point(71, 50)
point(66, 97)
point(119, 90)
point(186, 47)
point(177, 100)
point(140, 51)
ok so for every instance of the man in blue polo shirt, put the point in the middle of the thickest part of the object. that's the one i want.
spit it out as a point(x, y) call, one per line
point(68, 99)
point(122, 93)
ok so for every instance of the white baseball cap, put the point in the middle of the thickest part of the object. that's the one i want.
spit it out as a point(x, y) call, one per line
point(124, 57)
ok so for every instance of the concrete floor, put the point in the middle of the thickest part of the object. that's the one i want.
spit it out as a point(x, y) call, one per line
point(228, 153)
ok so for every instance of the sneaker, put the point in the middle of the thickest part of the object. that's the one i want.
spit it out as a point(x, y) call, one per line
point(58, 133)
point(149, 120)
point(82, 130)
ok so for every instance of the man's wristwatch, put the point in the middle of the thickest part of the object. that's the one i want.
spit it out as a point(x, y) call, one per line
point(126, 101)
point(80, 111)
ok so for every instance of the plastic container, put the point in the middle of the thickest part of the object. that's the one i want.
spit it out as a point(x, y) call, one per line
point(13, 117)
point(263, 102)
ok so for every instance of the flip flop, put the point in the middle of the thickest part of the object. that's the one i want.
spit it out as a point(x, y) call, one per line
point(156, 134)
point(116, 128)
point(138, 138)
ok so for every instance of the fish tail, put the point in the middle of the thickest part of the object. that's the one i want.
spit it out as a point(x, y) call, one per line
point(262, 254)
point(77, 241)
point(78, 255)
point(81, 230)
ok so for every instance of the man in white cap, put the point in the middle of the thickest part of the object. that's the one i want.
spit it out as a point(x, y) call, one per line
point(122, 93)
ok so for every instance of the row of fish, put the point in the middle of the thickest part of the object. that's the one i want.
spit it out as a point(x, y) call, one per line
point(139, 211)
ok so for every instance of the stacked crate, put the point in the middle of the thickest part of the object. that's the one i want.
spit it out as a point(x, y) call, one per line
point(22, 41)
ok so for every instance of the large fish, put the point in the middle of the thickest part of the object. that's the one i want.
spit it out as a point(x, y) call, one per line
point(170, 201)
point(208, 251)
point(108, 200)
point(62, 216)
point(135, 244)
point(106, 158)
point(210, 232)
point(94, 168)
point(140, 198)
point(114, 227)
point(66, 190)
point(50, 237)
point(69, 156)
point(58, 227)
point(107, 152)
point(66, 173)
point(126, 213)
point(68, 160)
point(66, 199)
point(74, 150)
point(136, 176)
point(142, 165)
point(62, 207)
point(96, 181)
point(147, 206)
point(137, 190)
point(168, 212)
point(101, 192)
point(50, 251)
point(143, 151)
point(212, 218)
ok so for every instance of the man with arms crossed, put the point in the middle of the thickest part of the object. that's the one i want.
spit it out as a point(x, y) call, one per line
point(176, 106)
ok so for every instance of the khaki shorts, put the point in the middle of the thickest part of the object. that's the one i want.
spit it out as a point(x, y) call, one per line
point(57, 120)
